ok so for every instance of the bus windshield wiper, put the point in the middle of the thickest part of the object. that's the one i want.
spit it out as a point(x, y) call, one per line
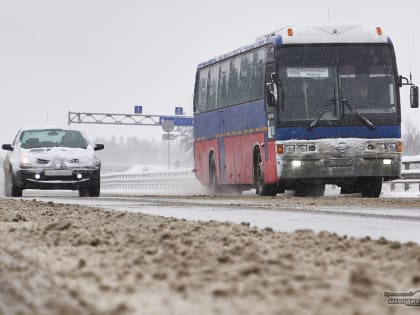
point(355, 111)
point(327, 107)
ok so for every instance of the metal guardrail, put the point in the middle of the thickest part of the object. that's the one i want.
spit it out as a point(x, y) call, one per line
point(168, 181)
point(410, 174)
point(181, 181)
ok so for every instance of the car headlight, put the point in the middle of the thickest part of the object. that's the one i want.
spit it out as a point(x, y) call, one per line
point(88, 161)
point(26, 162)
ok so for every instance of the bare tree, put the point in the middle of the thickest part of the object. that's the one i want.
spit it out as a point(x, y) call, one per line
point(411, 139)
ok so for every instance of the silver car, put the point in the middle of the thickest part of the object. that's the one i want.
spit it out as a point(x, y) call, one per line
point(52, 158)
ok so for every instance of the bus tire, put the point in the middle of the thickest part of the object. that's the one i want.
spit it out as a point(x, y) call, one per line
point(262, 189)
point(371, 187)
point(308, 190)
point(212, 188)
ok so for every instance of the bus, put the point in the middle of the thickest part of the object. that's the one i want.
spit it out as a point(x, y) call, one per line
point(300, 108)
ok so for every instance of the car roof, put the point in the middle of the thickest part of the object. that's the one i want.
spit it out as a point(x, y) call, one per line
point(46, 127)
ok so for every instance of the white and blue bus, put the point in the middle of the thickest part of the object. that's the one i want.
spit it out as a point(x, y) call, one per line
point(300, 108)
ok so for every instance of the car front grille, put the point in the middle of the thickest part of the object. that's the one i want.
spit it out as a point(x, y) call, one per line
point(42, 161)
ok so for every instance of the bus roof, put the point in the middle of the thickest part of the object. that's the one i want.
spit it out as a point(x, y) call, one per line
point(312, 34)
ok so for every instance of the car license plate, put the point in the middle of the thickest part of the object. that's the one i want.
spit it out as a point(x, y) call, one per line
point(58, 172)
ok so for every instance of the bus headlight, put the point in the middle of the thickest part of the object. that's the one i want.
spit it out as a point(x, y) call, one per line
point(380, 147)
point(302, 148)
point(289, 149)
point(391, 147)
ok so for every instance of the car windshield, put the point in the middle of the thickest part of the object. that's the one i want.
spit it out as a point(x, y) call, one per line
point(313, 76)
point(30, 139)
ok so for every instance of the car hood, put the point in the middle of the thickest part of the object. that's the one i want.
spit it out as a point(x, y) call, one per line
point(59, 153)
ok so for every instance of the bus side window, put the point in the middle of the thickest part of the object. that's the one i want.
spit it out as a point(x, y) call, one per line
point(245, 77)
point(223, 90)
point(257, 80)
point(202, 89)
point(212, 85)
point(233, 85)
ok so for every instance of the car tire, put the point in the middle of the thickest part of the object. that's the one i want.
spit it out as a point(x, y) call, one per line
point(95, 191)
point(10, 188)
point(84, 192)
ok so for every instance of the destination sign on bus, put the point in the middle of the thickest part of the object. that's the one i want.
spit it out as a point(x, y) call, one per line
point(307, 72)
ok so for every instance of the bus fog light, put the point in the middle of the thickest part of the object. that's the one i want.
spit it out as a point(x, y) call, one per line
point(296, 163)
point(387, 161)
point(37, 176)
point(79, 176)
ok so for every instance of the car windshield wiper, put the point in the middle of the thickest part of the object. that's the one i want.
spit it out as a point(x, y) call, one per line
point(329, 105)
point(355, 111)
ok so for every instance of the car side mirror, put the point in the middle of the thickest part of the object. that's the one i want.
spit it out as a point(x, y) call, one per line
point(414, 96)
point(7, 147)
point(98, 147)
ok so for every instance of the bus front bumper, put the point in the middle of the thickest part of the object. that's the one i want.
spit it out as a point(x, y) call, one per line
point(331, 166)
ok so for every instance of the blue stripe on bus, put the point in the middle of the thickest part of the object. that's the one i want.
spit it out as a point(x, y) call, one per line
point(252, 115)
point(234, 118)
point(299, 133)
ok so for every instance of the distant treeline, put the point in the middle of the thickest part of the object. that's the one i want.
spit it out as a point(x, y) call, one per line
point(411, 139)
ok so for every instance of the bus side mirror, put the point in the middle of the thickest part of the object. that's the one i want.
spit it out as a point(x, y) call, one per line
point(272, 94)
point(414, 96)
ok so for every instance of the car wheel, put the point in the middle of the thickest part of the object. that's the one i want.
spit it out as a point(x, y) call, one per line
point(10, 189)
point(95, 191)
point(84, 192)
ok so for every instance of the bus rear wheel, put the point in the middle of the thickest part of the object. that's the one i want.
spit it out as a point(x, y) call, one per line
point(262, 189)
point(213, 188)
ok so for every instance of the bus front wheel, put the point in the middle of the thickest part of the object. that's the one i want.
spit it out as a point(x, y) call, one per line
point(309, 190)
point(371, 187)
point(262, 189)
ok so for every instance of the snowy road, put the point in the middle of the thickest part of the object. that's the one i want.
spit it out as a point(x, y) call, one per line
point(393, 218)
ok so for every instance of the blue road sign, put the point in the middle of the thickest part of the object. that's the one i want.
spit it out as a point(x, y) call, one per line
point(179, 111)
point(138, 109)
point(178, 121)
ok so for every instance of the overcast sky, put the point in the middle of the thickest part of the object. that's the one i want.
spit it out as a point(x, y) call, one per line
point(107, 55)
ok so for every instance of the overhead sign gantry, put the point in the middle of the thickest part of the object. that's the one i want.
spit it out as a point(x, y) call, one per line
point(127, 119)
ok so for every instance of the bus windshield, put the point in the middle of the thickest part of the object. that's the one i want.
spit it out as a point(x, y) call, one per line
point(317, 78)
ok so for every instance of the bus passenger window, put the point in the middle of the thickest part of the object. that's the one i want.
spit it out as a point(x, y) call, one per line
point(222, 98)
point(202, 89)
point(212, 87)
point(245, 78)
point(233, 86)
point(257, 80)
